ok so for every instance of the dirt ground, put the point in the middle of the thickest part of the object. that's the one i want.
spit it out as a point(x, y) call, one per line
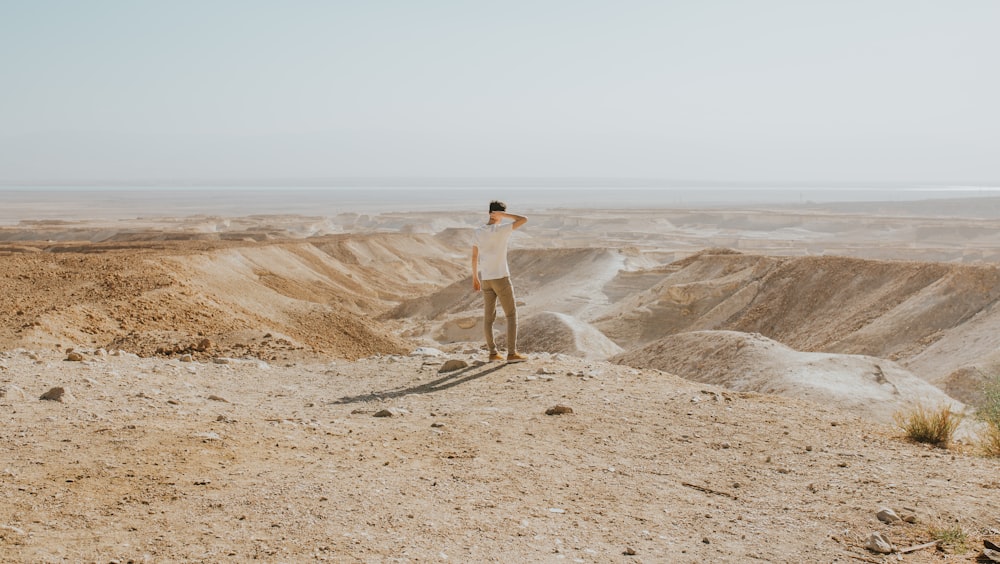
point(154, 460)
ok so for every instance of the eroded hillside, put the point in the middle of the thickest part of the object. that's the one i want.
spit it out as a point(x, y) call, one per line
point(355, 295)
point(267, 299)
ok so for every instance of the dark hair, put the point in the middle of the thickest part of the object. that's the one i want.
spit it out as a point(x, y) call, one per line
point(497, 205)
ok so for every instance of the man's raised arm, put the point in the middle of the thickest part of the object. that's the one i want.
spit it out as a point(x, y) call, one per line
point(519, 220)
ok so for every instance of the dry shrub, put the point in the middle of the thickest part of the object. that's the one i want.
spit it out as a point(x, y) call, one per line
point(989, 440)
point(989, 413)
point(929, 425)
point(951, 539)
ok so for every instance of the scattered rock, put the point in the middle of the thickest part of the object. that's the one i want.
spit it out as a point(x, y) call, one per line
point(13, 529)
point(558, 410)
point(214, 397)
point(11, 391)
point(453, 365)
point(100, 352)
point(437, 425)
point(991, 555)
point(202, 345)
point(887, 515)
point(426, 351)
point(629, 551)
point(59, 394)
point(221, 360)
point(74, 357)
point(186, 358)
point(878, 543)
point(391, 412)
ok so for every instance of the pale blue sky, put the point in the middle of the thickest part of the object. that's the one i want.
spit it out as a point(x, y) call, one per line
point(738, 91)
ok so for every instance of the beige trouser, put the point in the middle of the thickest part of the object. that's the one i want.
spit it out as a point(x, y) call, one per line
point(493, 289)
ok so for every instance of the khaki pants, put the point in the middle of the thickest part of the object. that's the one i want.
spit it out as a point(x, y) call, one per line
point(502, 289)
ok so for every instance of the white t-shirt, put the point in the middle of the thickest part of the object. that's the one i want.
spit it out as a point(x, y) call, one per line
point(492, 243)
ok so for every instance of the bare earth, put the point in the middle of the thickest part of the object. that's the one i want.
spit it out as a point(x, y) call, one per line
point(227, 404)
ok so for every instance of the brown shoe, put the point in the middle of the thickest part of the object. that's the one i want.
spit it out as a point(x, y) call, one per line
point(495, 357)
point(516, 357)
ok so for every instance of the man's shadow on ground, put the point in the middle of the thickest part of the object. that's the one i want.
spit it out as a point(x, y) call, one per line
point(450, 380)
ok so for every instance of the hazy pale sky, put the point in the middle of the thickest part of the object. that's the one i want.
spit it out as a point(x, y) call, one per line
point(740, 90)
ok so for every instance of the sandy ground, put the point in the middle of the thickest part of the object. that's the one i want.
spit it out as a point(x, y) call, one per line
point(240, 422)
point(161, 460)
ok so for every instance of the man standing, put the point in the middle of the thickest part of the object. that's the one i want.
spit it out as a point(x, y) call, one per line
point(490, 243)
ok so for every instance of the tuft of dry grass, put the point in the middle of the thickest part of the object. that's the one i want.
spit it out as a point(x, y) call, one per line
point(931, 425)
point(989, 440)
point(951, 539)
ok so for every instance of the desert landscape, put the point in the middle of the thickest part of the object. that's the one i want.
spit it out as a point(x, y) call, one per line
point(704, 384)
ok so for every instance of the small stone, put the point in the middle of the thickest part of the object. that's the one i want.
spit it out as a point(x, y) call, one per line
point(214, 397)
point(453, 365)
point(878, 543)
point(186, 358)
point(437, 425)
point(391, 412)
point(558, 410)
point(13, 529)
point(11, 391)
point(887, 515)
point(629, 551)
point(220, 360)
point(74, 357)
point(426, 351)
point(209, 436)
point(59, 394)
point(100, 352)
point(203, 345)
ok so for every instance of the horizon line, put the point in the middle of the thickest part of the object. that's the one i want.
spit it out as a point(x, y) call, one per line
point(484, 182)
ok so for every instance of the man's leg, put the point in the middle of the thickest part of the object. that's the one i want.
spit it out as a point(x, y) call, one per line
point(489, 314)
point(505, 292)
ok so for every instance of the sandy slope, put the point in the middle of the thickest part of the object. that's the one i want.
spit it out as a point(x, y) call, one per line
point(750, 362)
